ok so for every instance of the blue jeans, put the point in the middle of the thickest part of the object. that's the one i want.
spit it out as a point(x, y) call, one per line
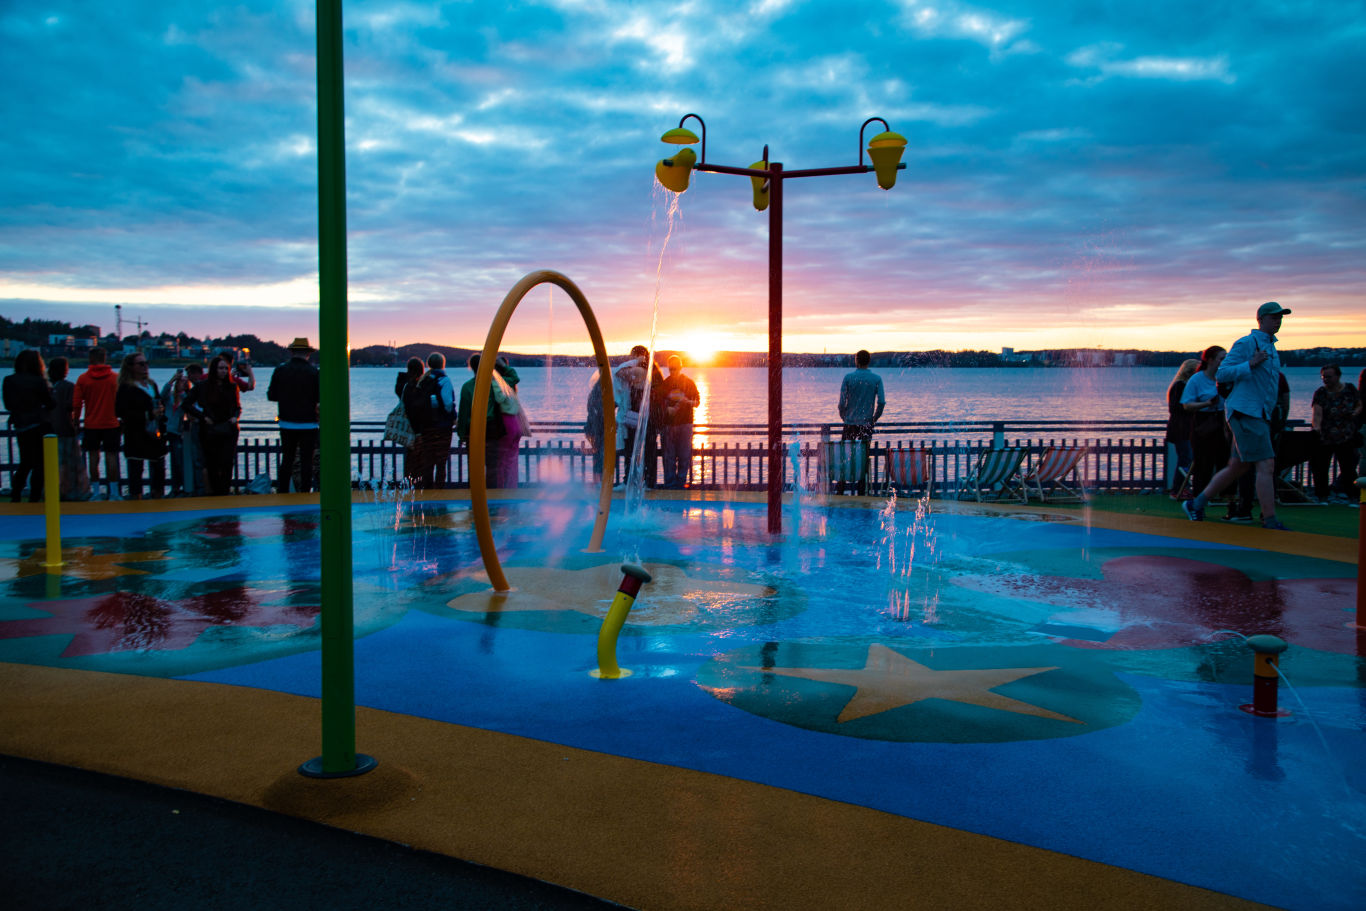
point(677, 455)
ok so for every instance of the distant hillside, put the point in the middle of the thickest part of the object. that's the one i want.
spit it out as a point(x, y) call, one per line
point(37, 332)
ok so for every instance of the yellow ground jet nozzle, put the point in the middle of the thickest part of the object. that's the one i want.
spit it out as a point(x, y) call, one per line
point(675, 172)
point(632, 579)
point(886, 149)
point(760, 185)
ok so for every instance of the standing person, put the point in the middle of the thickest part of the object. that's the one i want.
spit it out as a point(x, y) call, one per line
point(192, 455)
point(678, 397)
point(1337, 407)
point(1361, 423)
point(29, 401)
point(1179, 427)
point(1254, 368)
point(437, 394)
point(143, 418)
point(216, 404)
point(75, 483)
point(628, 382)
point(240, 370)
point(295, 387)
point(95, 392)
point(494, 427)
point(595, 424)
point(633, 387)
point(408, 379)
point(173, 405)
point(862, 401)
point(1205, 408)
point(503, 391)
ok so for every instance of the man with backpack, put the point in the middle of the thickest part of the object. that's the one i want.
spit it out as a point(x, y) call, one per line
point(430, 406)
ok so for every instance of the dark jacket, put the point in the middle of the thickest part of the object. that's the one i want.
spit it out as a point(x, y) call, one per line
point(64, 392)
point(295, 387)
point(29, 401)
point(144, 435)
point(223, 403)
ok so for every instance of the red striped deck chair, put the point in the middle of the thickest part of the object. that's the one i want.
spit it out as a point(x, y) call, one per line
point(843, 465)
point(908, 469)
point(1052, 468)
point(997, 475)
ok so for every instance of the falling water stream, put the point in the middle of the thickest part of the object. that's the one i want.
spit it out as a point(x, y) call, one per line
point(635, 476)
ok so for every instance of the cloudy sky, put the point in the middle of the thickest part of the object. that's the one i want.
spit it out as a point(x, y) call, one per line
point(1080, 173)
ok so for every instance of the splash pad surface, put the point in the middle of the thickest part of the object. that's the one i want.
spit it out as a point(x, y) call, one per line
point(1038, 681)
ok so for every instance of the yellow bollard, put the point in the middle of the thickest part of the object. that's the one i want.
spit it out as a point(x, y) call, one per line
point(631, 582)
point(52, 505)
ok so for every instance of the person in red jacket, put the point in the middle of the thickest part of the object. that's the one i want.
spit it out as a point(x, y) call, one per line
point(96, 390)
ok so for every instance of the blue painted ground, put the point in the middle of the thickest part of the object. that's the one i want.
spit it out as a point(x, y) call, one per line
point(1042, 682)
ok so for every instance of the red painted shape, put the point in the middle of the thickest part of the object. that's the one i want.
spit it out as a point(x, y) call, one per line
point(126, 621)
point(1172, 602)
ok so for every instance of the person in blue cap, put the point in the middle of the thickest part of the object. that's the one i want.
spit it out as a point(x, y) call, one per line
point(1254, 369)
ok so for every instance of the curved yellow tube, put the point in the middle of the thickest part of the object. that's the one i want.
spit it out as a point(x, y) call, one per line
point(479, 498)
point(633, 578)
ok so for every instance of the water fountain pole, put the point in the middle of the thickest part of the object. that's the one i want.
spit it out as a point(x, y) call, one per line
point(884, 149)
point(339, 758)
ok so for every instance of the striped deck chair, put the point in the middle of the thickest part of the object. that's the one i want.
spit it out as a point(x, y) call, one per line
point(1052, 467)
point(908, 469)
point(843, 464)
point(998, 473)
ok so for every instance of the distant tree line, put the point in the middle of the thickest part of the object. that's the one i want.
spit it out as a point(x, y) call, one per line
point(35, 333)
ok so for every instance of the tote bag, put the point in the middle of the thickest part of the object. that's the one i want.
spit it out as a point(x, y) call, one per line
point(398, 429)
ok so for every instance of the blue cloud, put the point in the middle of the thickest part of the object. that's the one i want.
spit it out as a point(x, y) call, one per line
point(1152, 151)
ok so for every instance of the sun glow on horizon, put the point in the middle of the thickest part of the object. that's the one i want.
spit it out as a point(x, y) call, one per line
point(698, 349)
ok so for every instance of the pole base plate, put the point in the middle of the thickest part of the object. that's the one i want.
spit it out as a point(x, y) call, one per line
point(314, 768)
point(1252, 710)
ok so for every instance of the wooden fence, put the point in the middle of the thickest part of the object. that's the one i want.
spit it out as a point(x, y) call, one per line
point(1123, 457)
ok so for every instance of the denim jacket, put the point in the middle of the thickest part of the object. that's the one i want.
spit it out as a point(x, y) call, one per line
point(1254, 388)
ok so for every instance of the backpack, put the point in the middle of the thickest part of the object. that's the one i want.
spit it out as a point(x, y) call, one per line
point(417, 404)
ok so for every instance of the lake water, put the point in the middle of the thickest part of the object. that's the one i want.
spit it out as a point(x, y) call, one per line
point(738, 395)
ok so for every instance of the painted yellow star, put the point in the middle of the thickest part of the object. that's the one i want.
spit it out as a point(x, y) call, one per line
point(889, 680)
point(79, 561)
point(673, 596)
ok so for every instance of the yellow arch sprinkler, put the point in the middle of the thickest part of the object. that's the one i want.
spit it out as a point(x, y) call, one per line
point(479, 495)
point(632, 579)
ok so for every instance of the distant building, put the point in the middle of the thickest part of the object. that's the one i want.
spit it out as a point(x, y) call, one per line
point(9, 347)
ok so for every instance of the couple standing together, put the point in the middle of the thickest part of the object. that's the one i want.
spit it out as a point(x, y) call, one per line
point(665, 405)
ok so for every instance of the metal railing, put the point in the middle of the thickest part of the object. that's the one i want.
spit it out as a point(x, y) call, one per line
point(1122, 457)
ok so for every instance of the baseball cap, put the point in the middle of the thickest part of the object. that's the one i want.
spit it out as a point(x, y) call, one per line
point(1271, 308)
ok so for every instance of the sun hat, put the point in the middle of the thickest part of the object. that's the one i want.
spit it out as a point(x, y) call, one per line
point(1271, 308)
point(300, 344)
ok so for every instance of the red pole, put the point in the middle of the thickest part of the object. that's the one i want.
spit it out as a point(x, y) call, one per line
point(775, 349)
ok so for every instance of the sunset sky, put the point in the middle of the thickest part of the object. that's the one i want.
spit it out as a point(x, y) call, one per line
point(1078, 174)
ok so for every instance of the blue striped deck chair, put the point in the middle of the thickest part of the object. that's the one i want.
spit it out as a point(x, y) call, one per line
point(908, 469)
point(997, 474)
point(843, 465)
point(1052, 468)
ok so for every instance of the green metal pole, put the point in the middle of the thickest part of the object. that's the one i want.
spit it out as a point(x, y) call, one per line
point(339, 757)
